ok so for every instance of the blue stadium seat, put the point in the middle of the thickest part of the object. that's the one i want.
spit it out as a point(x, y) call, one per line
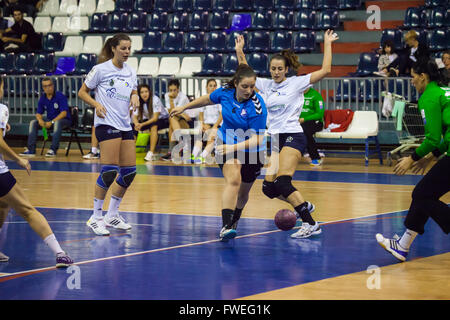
point(326, 4)
point(262, 20)
point(284, 4)
point(157, 21)
point(282, 20)
point(65, 65)
point(212, 65)
point(53, 41)
point(124, 5)
point(242, 5)
point(263, 5)
point(304, 4)
point(220, 20)
point(346, 91)
point(327, 19)
point(215, 41)
point(173, 42)
point(183, 5)
point(163, 5)
point(223, 5)
point(99, 22)
point(152, 42)
point(195, 42)
point(203, 5)
point(438, 39)
point(143, 5)
point(230, 42)
point(117, 21)
point(179, 21)
point(136, 21)
point(259, 61)
point(230, 65)
point(44, 63)
point(7, 61)
point(24, 63)
point(394, 35)
point(85, 62)
point(413, 18)
point(367, 65)
point(436, 3)
point(199, 21)
point(438, 18)
point(259, 41)
point(281, 40)
point(304, 19)
point(349, 4)
point(304, 41)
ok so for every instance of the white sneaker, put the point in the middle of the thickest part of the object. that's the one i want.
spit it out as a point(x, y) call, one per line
point(98, 226)
point(392, 246)
point(50, 153)
point(149, 156)
point(91, 155)
point(117, 222)
point(307, 230)
point(3, 257)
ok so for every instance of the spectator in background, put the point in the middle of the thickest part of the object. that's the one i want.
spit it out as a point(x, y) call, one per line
point(58, 116)
point(4, 23)
point(446, 70)
point(386, 58)
point(21, 37)
point(311, 120)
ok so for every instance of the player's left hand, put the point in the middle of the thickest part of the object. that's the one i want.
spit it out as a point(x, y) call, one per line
point(403, 165)
point(134, 101)
point(420, 166)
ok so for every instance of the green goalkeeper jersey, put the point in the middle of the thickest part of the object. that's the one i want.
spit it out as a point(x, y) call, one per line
point(313, 108)
point(434, 106)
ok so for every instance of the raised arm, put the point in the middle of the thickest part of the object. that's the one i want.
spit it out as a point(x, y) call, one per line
point(328, 38)
point(239, 47)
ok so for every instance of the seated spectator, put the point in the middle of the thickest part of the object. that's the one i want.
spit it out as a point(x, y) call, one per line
point(58, 116)
point(311, 120)
point(175, 98)
point(446, 70)
point(151, 115)
point(21, 37)
point(386, 58)
point(210, 118)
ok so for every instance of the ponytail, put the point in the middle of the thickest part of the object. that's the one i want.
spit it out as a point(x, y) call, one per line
point(289, 57)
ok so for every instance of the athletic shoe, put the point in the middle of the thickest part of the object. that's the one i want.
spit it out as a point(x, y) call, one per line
point(316, 162)
point(167, 157)
point(98, 226)
point(227, 234)
point(3, 257)
point(50, 153)
point(149, 156)
point(27, 153)
point(198, 160)
point(392, 246)
point(117, 222)
point(63, 260)
point(91, 156)
point(307, 230)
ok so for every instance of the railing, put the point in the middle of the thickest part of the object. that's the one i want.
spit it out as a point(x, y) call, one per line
point(22, 92)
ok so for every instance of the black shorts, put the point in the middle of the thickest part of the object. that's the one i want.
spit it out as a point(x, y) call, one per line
point(105, 132)
point(295, 140)
point(7, 182)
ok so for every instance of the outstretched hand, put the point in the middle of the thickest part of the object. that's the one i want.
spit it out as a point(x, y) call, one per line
point(239, 42)
point(330, 36)
point(176, 111)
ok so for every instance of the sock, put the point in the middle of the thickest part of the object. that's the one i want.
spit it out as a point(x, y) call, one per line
point(113, 209)
point(227, 217)
point(94, 150)
point(53, 244)
point(407, 239)
point(98, 205)
point(196, 151)
point(236, 216)
point(204, 153)
point(303, 213)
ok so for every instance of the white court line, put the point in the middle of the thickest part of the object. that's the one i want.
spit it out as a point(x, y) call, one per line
point(182, 246)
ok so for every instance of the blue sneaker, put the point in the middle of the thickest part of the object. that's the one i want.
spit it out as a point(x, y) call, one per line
point(27, 153)
point(316, 162)
point(227, 234)
point(392, 246)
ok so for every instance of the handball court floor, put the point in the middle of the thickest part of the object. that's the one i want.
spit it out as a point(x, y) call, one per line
point(173, 252)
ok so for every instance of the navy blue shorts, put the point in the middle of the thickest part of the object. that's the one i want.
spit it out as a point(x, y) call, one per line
point(295, 140)
point(104, 132)
point(7, 182)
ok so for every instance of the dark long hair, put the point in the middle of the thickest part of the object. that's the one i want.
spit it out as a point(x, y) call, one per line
point(242, 71)
point(430, 68)
point(141, 102)
point(107, 53)
point(290, 59)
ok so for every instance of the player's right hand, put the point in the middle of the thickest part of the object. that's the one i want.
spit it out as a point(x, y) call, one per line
point(176, 111)
point(24, 163)
point(100, 111)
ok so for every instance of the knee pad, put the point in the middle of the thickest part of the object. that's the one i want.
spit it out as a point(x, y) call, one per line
point(107, 176)
point(283, 185)
point(269, 189)
point(126, 176)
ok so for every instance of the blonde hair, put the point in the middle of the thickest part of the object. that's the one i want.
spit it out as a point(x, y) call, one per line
point(411, 34)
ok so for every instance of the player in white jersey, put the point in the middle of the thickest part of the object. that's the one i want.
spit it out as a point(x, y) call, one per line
point(12, 195)
point(284, 99)
point(115, 86)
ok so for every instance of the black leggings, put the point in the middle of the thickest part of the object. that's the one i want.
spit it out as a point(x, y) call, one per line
point(425, 199)
point(309, 128)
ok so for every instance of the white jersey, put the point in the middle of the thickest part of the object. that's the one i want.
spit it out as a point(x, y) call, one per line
point(4, 116)
point(211, 113)
point(113, 87)
point(157, 107)
point(284, 102)
point(179, 101)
